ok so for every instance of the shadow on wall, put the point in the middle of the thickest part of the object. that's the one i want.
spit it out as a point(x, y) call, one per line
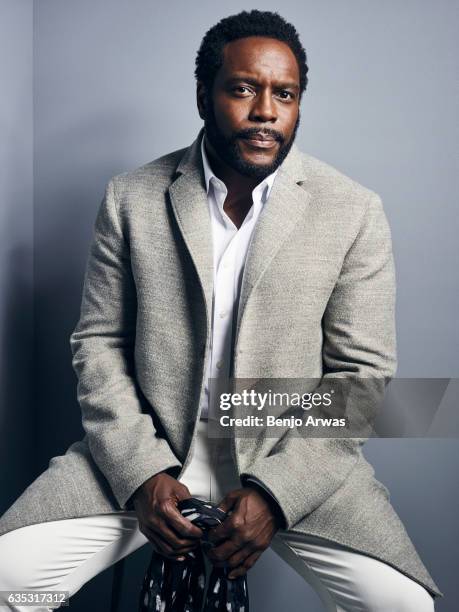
point(57, 299)
point(17, 410)
point(41, 280)
point(68, 190)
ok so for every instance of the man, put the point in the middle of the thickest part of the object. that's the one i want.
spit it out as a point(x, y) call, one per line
point(241, 256)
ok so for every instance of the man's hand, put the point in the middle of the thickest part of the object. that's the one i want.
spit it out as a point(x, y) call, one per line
point(245, 533)
point(155, 503)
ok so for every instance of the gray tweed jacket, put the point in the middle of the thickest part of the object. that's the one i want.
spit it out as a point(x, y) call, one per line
point(317, 299)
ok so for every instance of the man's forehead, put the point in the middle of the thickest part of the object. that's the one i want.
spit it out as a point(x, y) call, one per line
point(256, 54)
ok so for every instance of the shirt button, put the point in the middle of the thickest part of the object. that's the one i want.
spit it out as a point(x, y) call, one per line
point(223, 314)
point(219, 364)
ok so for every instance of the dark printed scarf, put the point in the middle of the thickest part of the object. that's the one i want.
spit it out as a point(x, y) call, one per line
point(180, 586)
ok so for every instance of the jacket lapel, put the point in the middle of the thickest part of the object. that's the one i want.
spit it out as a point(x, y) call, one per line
point(189, 203)
point(288, 201)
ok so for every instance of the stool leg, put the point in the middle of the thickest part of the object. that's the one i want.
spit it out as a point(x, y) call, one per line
point(118, 571)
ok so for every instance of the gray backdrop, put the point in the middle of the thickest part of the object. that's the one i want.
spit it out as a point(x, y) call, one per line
point(97, 87)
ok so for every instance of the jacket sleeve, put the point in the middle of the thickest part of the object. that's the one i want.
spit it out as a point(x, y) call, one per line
point(359, 345)
point(121, 436)
point(250, 481)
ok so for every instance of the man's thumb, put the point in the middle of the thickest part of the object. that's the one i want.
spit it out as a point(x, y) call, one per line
point(227, 503)
point(182, 492)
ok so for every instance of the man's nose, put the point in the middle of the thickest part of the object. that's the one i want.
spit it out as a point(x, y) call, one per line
point(263, 108)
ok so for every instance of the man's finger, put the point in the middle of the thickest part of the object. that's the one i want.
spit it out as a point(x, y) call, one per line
point(173, 538)
point(174, 542)
point(182, 526)
point(240, 556)
point(226, 529)
point(221, 533)
point(228, 502)
point(219, 554)
point(163, 546)
point(159, 544)
point(246, 565)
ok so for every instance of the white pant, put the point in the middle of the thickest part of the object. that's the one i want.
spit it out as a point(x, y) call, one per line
point(64, 555)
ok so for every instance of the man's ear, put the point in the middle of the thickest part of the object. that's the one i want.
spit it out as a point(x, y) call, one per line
point(201, 99)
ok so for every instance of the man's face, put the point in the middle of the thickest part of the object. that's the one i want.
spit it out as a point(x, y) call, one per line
point(252, 114)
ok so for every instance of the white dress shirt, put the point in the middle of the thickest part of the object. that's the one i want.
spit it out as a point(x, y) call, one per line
point(230, 246)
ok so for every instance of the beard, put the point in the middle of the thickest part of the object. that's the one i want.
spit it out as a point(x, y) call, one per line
point(227, 146)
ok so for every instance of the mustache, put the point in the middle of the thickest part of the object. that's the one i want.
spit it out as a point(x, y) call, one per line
point(249, 132)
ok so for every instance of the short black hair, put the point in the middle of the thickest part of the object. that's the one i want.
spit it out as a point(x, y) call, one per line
point(254, 23)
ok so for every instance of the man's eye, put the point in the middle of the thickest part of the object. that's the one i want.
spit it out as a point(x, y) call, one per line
point(242, 89)
point(286, 95)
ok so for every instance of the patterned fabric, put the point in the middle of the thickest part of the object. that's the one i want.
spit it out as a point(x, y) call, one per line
point(180, 586)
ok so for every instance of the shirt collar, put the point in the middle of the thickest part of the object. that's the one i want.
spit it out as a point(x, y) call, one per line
point(263, 188)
